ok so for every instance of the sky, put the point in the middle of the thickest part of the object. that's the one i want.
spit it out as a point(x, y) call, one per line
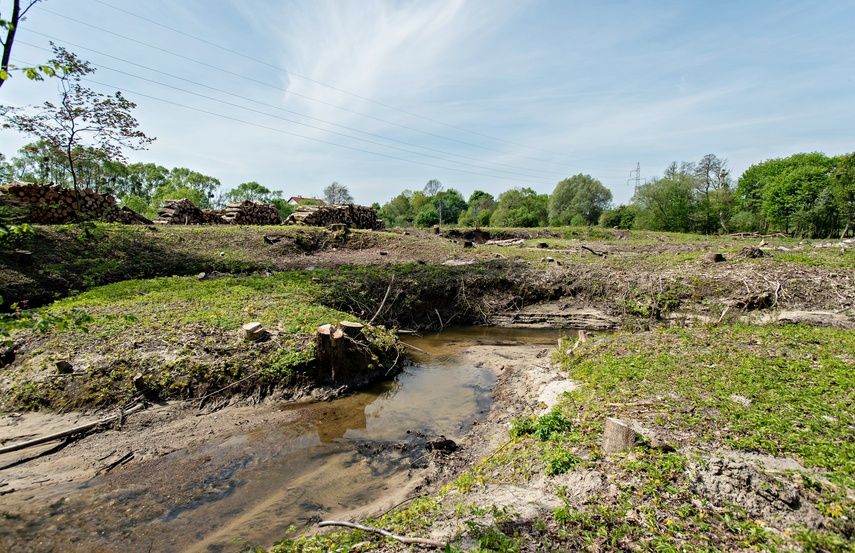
point(385, 95)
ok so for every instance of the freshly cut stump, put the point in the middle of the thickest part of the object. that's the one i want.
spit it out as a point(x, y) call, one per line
point(617, 436)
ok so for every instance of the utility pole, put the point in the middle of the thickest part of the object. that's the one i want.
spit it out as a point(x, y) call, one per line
point(637, 177)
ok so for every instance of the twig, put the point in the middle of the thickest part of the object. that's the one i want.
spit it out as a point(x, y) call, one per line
point(69, 432)
point(723, 313)
point(402, 539)
point(414, 347)
point(203, 398)
point(441, 325)
point(382, 303)
point(110, 466)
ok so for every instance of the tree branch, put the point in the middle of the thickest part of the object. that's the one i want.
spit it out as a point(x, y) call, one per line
point(402, 539)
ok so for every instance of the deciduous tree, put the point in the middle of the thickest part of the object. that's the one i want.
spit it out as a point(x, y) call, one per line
point(83, 120)
point(581, 197)
point(337, 193)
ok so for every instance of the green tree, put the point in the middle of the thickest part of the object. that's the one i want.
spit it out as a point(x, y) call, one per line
point(449, 204)
point(843, 183)
point(715, 200)
point(427, 216)
point(337, 193)
point(623, 217)
point(581, 197)
point(83, 120)
point(520, 207)
point(253, 192)
point(792, 194)
point(397, 212)
point(665, 204)
point(481, 207)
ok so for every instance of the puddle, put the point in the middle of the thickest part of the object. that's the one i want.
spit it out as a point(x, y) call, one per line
point(249, 488)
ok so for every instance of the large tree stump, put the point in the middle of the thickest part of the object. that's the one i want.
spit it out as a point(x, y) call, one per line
point(617, 436)
point(331, 353)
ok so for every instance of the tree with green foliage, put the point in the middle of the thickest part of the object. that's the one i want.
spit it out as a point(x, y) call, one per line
point(715, 198)
point(83, 120)
point(622, 217)
point(793, 194)
point(253, 192)
point(449, 204)
point(665, 204)
point(521, 207)
point(481, 207)
point(579, 199)
point(843, 187)
point(397, 212)
point(427, 216)
point(336, 193)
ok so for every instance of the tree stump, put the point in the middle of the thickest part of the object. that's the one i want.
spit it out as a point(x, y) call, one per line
point(617, 436)
point(253, 331)
point(331, 353)
point(351, 329)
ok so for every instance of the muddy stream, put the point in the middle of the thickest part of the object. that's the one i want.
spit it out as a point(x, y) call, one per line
point(248, 488)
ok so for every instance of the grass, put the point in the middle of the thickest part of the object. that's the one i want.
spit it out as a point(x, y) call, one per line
point(177, 337)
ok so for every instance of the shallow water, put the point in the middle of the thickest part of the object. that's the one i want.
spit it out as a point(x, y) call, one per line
point(250, 488)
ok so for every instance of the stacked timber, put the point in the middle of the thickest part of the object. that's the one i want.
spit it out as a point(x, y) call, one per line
point(252, 213)
point(213, 216)
point(50, 204)
point(352, 215)
point(125, 216)
point(180, 212)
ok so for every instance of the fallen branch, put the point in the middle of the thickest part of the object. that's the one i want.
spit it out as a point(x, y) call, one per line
point(414, 347)
point(382, 303)
point(70, 431)
point(402, 539)
point(595, 252)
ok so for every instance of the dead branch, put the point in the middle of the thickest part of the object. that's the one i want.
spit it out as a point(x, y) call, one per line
point(402, 539)
point(71, 431)
point(414, 347)
point(723, 313)
point(382, 303)
point(595, 252)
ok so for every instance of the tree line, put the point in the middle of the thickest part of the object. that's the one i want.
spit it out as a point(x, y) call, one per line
point(806, 194)
point(80, 141)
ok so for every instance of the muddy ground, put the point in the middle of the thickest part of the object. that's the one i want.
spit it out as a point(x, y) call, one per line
point(38, 480)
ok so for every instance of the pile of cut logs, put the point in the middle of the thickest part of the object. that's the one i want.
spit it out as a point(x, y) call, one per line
point(252, 213)
point(125, 216)
point(180, 212)
point(48, 204)
point(352, 215)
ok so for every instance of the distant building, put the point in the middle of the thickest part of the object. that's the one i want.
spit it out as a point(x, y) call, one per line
point(294, 200)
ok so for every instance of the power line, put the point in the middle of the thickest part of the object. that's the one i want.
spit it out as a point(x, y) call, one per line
point(289, 72)
point(266, 114)
point(177, 77)
point(275, 87)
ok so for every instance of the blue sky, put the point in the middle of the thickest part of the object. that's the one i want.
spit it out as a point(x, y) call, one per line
point(384, 95)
